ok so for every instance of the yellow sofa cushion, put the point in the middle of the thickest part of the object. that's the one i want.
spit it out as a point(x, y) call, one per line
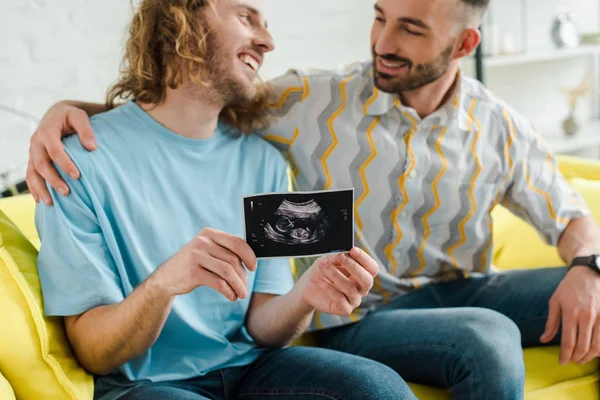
point(545, 379)
point(517, 244)
point(35, 355)
point(581, 168)
point(21, 211)
point(6, 391)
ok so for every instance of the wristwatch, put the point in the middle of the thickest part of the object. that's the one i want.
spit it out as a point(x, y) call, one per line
point(592, 262)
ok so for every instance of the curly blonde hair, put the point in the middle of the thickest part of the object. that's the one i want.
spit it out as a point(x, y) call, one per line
point(167, 41)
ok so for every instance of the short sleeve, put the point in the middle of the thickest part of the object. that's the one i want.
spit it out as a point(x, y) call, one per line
point(285, 106)
point(540, 194)
point(274, 276)
point(77, 272)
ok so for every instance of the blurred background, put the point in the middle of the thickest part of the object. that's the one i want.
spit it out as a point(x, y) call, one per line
point(541, 56)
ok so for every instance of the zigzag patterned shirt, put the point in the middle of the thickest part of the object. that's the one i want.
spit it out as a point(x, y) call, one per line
point(424, 188)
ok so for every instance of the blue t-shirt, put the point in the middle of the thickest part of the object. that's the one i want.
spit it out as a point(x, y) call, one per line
point(143, 195)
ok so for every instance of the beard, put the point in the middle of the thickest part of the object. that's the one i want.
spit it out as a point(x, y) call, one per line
point(224, 86)
point(417, 76)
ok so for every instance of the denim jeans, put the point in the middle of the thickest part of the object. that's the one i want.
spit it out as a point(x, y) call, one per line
point(466, 335)
point(297, 373)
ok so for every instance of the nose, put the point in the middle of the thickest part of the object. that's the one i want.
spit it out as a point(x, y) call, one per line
point(264, 41)
point(385, 43)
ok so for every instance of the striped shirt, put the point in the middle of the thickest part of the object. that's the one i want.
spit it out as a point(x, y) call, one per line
point(424, 187)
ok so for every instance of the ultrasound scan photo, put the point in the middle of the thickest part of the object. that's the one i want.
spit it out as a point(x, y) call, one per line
point(301, 224)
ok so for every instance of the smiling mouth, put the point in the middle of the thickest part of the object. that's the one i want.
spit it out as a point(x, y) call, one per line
point(388, 64)
point(250, 61)
point(391, 67)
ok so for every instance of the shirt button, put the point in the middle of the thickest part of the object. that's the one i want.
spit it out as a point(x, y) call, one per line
point(403, 214)
point(412, 174)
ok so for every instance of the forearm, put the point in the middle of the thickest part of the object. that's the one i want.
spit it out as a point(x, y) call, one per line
point(278, 321)
point(90, 109)
point(580, 238)
point(105, 338)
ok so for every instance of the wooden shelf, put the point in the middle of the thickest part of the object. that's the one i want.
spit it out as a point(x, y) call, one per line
point(587, 137)
point(539, 56)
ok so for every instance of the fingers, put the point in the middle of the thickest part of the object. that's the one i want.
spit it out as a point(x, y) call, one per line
point(40, 171)
point(80, 122)
point(365, 260)
point(217, 283)
point(358, 273)
point(56, 152)
point(44, 167)
point(235, 244)
point(46, 145)
point(339, 304)
point(584, 336)
point(344, 285)
point(37, 186)
point(569, 337)
point(223, 270)
point(553, 322)
point(227, 256)
point(594, 345)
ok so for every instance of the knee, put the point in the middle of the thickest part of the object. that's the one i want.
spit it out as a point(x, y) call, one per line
point(376, 381)
point(492, 343)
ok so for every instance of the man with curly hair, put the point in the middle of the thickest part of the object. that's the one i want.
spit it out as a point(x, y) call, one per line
point(162, 299)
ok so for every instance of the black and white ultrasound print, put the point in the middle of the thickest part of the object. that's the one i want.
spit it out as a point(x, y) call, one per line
point(300, 224)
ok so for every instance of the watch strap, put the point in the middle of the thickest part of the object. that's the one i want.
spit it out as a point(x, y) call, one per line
point(588, 261)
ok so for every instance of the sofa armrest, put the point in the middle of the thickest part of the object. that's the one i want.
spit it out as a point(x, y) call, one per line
point(517, 244)
point(576, 167)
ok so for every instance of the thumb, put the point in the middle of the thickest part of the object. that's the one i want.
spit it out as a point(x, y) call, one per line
point(552, 324)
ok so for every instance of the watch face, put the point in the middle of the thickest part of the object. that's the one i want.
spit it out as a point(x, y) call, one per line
point(597, 262)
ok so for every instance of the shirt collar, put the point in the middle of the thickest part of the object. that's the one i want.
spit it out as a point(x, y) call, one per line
point(458, 104)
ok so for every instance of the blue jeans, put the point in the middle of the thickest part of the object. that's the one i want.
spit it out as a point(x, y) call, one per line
point(297, 373)
point(466, 335)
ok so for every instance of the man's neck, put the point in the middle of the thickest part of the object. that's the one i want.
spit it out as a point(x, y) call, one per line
point(428, 99)
point(186, 114)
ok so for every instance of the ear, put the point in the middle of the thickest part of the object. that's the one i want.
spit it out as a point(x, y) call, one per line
point(467, 42)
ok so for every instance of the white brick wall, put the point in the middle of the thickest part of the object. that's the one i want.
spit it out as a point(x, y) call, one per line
point(57, 49)
point(318, 34)
point(51, 50)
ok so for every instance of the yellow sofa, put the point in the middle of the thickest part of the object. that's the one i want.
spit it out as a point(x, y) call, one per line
point(516, 245)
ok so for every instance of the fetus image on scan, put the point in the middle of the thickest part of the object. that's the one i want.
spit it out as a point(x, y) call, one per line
point(298, 223)
point(295, 225)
